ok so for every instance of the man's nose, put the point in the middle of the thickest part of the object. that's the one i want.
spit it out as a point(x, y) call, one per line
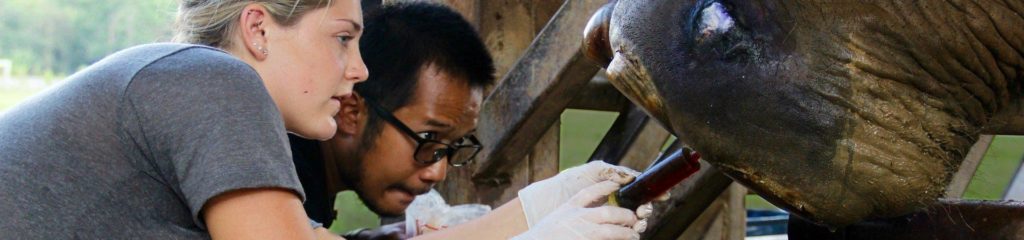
point(435, 172)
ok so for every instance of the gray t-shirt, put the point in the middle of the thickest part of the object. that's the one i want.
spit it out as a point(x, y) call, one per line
point(135, 145)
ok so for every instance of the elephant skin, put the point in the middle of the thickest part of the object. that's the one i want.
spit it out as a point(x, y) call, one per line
point(837, 111)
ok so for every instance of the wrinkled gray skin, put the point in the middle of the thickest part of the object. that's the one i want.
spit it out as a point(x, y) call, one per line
point(834, 110)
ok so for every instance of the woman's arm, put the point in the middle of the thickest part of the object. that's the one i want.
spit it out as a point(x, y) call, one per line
point(260, 213)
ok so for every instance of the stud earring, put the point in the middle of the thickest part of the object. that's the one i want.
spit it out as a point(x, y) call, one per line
point(261, 49)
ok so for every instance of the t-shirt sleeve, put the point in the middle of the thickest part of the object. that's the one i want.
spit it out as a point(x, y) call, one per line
point(208, 122)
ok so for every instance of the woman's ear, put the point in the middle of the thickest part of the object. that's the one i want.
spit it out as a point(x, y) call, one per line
point(351, 115)
point(253, 28)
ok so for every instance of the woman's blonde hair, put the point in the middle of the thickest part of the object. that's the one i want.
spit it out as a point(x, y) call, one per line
point(211, 22)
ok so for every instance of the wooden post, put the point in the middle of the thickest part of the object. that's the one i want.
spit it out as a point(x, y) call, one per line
point(469, 9)
point(599, 95)
point(958, 185)
point(544, 159)
point(621, 135)
point(541, 164)
point(533, 94)
point(724, 219)
point(646, 147)
point(507, 27)
point(735, 212)
point(708, 225)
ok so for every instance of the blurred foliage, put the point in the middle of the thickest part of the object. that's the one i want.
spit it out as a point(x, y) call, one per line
point(57, 37)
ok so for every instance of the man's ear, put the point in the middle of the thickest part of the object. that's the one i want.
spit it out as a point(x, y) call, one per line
point(351, 115)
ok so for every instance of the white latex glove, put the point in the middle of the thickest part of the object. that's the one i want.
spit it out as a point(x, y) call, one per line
point(580, 219)
point(541, 198)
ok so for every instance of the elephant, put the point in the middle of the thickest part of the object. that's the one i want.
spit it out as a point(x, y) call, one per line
point(837, 111)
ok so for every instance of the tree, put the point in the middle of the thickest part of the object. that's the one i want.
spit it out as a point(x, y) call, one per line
point(58, 37)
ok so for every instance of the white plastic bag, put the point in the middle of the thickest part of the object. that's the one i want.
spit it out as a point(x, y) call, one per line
point(429, 213)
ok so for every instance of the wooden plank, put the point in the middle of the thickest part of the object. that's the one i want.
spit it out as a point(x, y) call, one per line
point(544, 159)
point(541, 164)
point(958, 185)
point(708, 225)
point(508, 28)
point(518, 177)
point(734, 213)
point(534, 93)
point(599, 95)
point(469, 9)
point(457, 188)
point(724, 219)
point(633, 140)
point(620, 136)
point(646, 147)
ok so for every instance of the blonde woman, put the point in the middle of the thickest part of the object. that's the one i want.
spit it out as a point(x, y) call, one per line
point(174, 140)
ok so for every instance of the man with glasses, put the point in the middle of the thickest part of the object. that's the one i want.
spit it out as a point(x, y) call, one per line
point(415, 117)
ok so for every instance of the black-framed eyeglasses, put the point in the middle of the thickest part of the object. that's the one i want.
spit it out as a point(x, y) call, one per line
point(429, 151)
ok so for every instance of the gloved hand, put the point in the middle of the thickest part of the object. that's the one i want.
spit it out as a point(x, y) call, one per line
point(580, 219)
point(541, 198)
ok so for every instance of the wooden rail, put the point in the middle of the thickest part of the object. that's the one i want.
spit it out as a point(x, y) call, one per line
point(534, 93)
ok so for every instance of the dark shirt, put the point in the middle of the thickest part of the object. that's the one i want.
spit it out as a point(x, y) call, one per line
point(309, 164)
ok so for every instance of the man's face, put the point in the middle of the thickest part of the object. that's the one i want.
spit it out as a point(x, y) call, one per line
point(388, 178)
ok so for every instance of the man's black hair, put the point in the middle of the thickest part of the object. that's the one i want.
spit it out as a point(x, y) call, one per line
point(401, 39)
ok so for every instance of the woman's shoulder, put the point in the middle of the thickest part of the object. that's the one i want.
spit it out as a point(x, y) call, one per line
point(169, 57)
point(195, 62)
point(198, 73)
point(182, 54)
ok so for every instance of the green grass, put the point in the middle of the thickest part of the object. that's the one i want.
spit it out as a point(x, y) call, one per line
point(581, 131)
point(997, 168)
point(12, 96)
